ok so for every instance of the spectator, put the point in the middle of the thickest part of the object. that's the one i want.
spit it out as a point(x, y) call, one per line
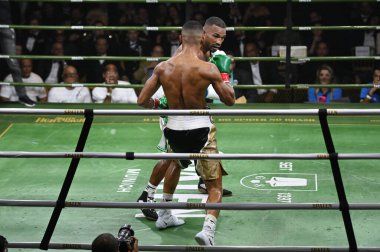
point(94, 68)
point(325, 76)
point(8, 46)
point(69, 94)
point(146, 68)
point(372, 95)
point(33, 41)
point(8, 93)
point(113, 95)
point(51, 70)
point(236, 42)
point(261, 73)
point(240, 76)
point(134, 45)
point(234, 16)
point(172, 43)
point(108, 243)
point(3, 244)
point(257, 14)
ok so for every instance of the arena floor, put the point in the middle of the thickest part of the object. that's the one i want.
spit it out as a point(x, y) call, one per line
point(306, 181)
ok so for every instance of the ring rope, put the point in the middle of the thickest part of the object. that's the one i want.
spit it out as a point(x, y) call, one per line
point(36, 245)
point(198, 1)
point(197, 156)
point(204, 112)
point(178, 28)
point(189, 205)
point(142, 58)
point(240, 86)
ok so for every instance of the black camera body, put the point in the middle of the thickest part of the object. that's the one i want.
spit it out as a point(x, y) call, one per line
point(125, 238)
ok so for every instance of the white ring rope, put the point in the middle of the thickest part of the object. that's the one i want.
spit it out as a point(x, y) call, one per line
point(189, 205)
point(221, 112)
point(175, 156)
point(35, 245)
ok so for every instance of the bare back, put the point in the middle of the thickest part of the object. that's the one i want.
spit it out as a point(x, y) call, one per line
point(185, 80)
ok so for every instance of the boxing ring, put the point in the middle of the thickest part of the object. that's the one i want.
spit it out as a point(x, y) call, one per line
point(62, 204)
point(283, 163)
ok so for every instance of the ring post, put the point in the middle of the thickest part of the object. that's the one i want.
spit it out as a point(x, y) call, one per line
point(333, 156)
point(89, 115)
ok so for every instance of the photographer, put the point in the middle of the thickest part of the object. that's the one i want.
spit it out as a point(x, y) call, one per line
point(3, 244)
point(125, 242)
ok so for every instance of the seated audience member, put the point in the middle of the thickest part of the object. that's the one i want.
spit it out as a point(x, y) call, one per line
point(372, 94)
point(108, 243)
point(239, 76)
point(146, 68)
point(325, 76)
point(261, 73)
point(114, 95)
point(69, 94)
point(8, 93)
point(51, 70)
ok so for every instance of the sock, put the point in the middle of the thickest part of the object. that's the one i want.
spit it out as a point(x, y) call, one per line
point(167, 197)
point(210, 223)
point(151, 190)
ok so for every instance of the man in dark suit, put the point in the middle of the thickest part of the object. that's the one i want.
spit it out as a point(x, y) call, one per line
point(51, 70)
point(260, 73)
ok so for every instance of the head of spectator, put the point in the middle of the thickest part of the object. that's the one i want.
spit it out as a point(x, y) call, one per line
point(98, 33)
point(18, 49)
point(60, 36)
point(251, 49)
point(199, 16)
point(110, 74)
point(26, 67)
point(157, 51)
point(314, 17)
point(133, 35)
point(105, 243)
point(101, 46)
point(76, 15)
point(70, 75)
point(366, 10)
point(325, 75)
point(34, 21)
point(3, 244)
point(57, 49)
point(322, 49)
point(376, 75)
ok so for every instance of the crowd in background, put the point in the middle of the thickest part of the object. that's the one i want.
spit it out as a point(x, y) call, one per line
point(158, 44)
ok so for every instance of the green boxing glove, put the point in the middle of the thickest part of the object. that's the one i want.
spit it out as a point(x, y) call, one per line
point(222, 62)
point(161, 103)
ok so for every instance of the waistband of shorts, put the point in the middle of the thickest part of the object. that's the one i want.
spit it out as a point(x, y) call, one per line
point(188, 122)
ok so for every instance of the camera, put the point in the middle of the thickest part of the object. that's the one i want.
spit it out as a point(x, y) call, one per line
point(125, 238)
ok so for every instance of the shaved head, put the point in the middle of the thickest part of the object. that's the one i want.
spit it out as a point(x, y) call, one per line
point(192, 32)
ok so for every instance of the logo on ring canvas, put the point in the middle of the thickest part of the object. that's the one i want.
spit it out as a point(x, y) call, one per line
point(281, 181)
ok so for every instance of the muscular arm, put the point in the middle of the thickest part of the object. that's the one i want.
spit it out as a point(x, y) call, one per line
point(224, 91)
point(150, 87)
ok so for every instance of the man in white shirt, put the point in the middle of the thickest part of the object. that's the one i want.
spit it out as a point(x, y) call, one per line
point(113, 95)
point(8, 93)
point(69, 94)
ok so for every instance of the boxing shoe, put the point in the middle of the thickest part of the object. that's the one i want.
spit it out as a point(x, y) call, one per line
point(202, 189)
point(25, 100)
point(167, 219)
point(149, 213)
point(205, 237)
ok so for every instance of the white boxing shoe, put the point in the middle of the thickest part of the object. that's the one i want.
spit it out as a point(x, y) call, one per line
point(205, 238)
point(166, 220)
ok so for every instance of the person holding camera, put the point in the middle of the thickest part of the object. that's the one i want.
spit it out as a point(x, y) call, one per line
point(124, 242)
point(3, 244)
